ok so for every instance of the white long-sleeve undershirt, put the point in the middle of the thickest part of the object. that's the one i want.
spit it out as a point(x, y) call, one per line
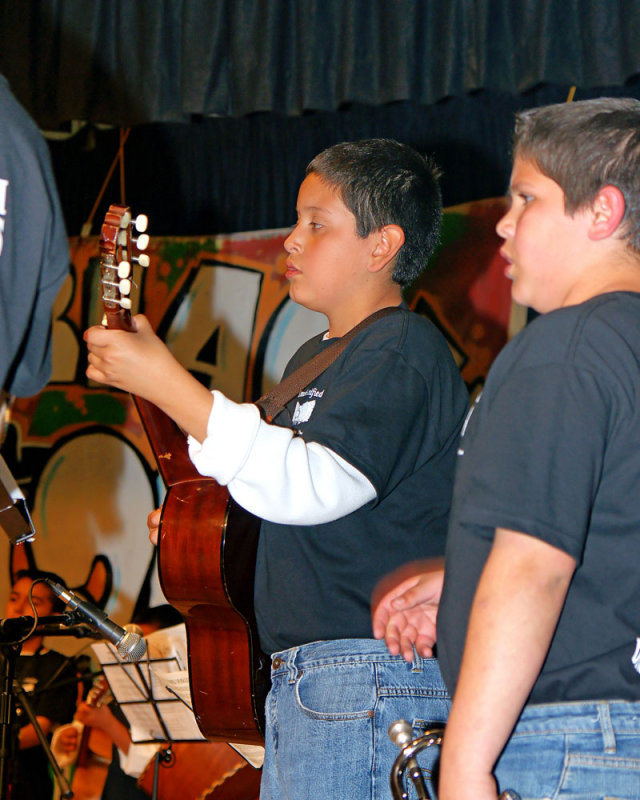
point(272, 473)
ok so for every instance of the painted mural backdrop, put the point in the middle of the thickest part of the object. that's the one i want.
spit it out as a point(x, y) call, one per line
point(221, 303)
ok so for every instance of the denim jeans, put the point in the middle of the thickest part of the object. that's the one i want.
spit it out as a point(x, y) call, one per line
point(328, 713)
point(574, 751)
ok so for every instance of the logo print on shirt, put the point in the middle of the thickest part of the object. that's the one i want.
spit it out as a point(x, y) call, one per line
point(635, 658)
point(463, 430)
point(302, 412)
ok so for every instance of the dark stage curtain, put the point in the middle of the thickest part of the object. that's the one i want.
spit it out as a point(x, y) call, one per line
point(133, 61)
point(229, 99)
point(220, 175)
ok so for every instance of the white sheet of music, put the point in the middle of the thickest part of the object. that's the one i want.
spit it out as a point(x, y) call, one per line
point(155, 693)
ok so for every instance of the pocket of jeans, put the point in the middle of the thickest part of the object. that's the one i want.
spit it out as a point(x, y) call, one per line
point(337, 692)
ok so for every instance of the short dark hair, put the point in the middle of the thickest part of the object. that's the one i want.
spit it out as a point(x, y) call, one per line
point(58, 605)
point(584, 146)
point(383, 182)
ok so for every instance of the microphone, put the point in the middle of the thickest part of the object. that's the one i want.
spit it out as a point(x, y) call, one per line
point(129, 644)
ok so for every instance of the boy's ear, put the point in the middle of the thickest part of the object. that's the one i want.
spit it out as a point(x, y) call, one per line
point(607, 212)
point(390, 239)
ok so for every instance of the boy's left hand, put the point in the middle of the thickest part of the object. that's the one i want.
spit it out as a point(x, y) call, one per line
point(405, 606)
point(135, 361)
point(139, 362)
point(68, 738)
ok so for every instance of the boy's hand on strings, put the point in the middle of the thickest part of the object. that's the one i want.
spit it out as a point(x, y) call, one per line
point(137, 362)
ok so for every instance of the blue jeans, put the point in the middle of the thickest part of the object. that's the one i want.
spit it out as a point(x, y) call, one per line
point(327, 716)
point(574, 751)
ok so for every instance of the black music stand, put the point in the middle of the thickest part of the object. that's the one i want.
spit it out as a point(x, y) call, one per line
point(156, 714)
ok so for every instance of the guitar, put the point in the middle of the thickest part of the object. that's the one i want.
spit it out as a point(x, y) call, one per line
point(94, 750)
point(207, 543)
point(89, 759)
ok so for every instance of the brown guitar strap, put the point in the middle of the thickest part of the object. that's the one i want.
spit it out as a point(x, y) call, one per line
point(272, 403)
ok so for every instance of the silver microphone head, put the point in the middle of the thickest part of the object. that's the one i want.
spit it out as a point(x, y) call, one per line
point(132, 646)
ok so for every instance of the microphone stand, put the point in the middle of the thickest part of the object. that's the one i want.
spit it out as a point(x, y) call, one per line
point(11, 631)
point(63, 783)
point(9, 653)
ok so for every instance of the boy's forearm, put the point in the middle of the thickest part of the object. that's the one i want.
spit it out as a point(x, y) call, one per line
point(514, 615)
point(188, 402)
point(28, 736)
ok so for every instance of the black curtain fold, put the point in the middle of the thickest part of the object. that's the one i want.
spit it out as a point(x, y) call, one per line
point(126, 62)
point(227, 174)
point(228, 100)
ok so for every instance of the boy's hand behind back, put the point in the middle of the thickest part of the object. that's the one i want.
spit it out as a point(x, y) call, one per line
point(405, 606)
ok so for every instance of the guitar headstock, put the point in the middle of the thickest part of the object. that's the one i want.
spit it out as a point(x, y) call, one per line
point(118, 250)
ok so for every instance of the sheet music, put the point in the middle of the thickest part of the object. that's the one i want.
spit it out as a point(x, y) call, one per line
point(155, 693)
point(155, 710)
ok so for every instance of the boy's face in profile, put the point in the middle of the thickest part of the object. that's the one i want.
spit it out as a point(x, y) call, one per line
point(327, 259)
point(546, 249)
point(18, 604)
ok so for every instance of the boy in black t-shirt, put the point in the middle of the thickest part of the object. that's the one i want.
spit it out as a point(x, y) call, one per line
point(538, 628)
point(355, 473)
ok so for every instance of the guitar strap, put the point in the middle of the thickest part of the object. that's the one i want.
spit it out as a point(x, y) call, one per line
point(272, 403)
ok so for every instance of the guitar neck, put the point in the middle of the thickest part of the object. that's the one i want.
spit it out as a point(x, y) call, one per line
point(96, 697)
point(84, 754)
point(117, 247)
point(168, 443)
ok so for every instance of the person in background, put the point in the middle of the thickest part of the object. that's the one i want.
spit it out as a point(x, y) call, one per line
point(128, 760)
point(48, 679)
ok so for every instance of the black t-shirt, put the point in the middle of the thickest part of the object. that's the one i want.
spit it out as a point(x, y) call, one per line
point(49, 682)
point(391, 405)
point(552, 449)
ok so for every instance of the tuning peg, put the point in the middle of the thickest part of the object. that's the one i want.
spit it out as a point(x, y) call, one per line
point(124, 302)
point(141, 222)
point(142, 242)
point(125, 287)
point(124, 269)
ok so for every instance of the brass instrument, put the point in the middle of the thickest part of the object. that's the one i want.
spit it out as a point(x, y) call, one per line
point(406, 764)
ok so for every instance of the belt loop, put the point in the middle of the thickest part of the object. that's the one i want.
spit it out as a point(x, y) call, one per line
point(608, 734)
point(291, 664)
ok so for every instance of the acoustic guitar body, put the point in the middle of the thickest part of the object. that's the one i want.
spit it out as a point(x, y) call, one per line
point(207, 549)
